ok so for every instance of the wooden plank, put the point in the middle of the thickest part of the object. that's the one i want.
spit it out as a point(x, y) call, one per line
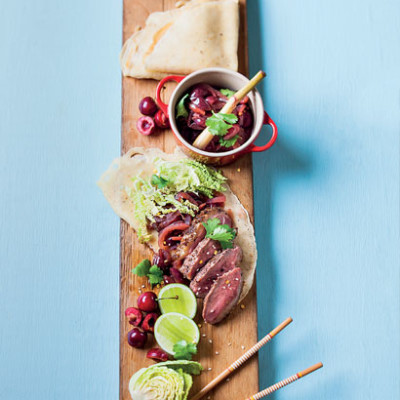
point(240, 329)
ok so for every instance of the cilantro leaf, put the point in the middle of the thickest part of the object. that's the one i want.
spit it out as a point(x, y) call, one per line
point(152, 272)
point(183, 350)
point(159, 181)
point(155, 275)
point(219, 124)
point(229, 118)
point(181, 110)
point(223, 233)
point(211, 224)
point(230, 142)
point(227, 92)
point(142, 269)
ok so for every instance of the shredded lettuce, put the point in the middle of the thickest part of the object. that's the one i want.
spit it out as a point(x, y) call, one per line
point(149, 200)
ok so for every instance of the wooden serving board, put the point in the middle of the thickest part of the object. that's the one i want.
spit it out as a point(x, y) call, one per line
point(239, 331)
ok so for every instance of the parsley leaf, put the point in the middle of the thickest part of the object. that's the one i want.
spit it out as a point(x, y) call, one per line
point(219, 124)
point(155, 275)
point(223, 233)
point(181, 110)
point(227, 92)
point(230, 142)
point(183, 350)
point(159, 181)
point(142, 269)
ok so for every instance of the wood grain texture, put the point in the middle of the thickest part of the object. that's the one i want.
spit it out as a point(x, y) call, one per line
point(239, 331)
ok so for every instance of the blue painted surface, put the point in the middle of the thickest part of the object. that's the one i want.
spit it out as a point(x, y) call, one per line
point(327, 197)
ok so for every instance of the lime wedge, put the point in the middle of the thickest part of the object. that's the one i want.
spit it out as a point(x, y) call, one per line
point(182, 300)
point(172, 327)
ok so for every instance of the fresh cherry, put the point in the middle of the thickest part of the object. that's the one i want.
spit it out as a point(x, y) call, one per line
point(134, 315)
point(147, 301)
point(137, 338)
point(145, 125)
point(148, 106)
point(149, 321)
point(161, 120)
point(157, 355)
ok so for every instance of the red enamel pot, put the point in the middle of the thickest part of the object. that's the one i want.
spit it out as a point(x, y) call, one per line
point(218, 77)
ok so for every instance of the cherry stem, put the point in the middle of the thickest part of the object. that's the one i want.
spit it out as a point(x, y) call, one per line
point(169, 298)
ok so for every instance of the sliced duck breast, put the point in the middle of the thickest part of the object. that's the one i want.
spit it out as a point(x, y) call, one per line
point(217, 266)
point(196, 260)
point(196, 232)
point(223, 296)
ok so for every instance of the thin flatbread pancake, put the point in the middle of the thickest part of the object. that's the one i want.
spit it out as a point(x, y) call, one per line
point(201, 34)
point(139, 161)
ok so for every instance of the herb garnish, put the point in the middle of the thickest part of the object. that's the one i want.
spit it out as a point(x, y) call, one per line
point(223, 233)
point(181, 110)
point(227, 92)
point(183, 350)
point(153, 273)
point(228, 143)
point(159, 181)
point(219, 124)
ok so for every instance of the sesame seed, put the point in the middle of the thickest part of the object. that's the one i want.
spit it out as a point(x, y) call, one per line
point(238, 170)
point(209, 368)
point(158, 286)
point(210, 341)
point(229, 344)
point(217, 353)
point(228, 379)
point(140, 291)
point(243, 347)
point(227, 282)
point(242, 306)
point(143, 286)
point(201, 262)
point(215, 252)
point(199, 325)
point(204, 335)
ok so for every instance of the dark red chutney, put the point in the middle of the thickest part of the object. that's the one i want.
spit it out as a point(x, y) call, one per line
point(203, 99)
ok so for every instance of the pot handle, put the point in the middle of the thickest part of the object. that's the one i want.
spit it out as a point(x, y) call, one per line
point(161, 104)
point(267, 121)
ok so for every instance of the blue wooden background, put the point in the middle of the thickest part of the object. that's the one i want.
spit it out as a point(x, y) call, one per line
point(326, 197)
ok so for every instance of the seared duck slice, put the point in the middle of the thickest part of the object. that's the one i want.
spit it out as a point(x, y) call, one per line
point(217, 266)
point(223, 296)
point(197, 259)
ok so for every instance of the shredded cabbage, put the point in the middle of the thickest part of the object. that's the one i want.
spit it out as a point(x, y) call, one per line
point(190, 176)
point(170, 380)
point(181, 176)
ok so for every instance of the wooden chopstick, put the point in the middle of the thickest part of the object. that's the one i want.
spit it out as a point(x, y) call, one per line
point(285, 382)
point(206, 136)
point(241, 360)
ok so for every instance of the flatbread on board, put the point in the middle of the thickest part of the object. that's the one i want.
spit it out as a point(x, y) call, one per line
point(201, 34)
point(139, 161)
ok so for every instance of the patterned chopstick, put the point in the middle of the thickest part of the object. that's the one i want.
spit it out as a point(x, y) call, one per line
point(284, 382)
point(241, 360)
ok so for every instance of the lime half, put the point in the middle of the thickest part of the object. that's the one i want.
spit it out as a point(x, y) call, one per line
point(172, 327)
point(180, 299)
